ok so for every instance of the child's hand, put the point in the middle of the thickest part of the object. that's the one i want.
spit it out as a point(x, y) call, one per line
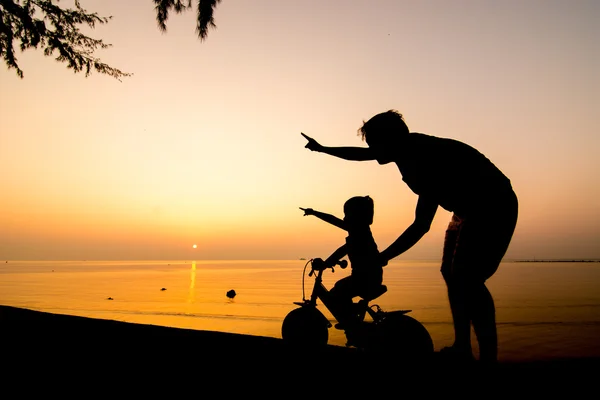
point(307, 211)
point(382, 261)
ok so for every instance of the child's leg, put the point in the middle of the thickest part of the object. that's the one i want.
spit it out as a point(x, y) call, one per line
point(342, 294)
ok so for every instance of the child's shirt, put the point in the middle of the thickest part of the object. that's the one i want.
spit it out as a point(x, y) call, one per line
point(363, 254)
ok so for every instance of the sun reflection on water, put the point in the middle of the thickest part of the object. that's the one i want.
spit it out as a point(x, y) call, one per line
point(192, 290)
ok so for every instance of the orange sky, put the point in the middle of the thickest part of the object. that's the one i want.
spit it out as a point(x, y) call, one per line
point(202, 144)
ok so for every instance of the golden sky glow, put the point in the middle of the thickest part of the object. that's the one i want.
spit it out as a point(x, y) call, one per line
point(202, 144)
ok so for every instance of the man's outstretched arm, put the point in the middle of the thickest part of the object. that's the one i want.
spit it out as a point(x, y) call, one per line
point(424, 214)
point(346, 153)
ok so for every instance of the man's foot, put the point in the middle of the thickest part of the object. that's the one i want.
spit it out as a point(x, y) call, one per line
point(456, 354)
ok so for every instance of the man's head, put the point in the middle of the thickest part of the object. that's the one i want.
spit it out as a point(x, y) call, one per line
point(359, 210)
point(383, 133)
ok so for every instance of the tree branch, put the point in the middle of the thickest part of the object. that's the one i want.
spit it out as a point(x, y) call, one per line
point(56, 30)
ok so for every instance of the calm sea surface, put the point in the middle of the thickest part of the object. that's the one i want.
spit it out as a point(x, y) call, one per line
point(545, 310)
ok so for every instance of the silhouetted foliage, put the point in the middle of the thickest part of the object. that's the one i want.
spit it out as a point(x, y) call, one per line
point(44, 24)
point(41, 23)
point(205, 18)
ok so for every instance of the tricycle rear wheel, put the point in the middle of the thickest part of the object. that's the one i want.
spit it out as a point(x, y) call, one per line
point(402, 337)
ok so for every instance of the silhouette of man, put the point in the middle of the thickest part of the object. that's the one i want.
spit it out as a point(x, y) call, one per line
point(451, 174)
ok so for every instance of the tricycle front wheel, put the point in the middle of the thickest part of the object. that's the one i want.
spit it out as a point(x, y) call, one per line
point(305, 327)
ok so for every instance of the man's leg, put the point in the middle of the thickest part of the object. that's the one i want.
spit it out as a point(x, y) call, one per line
point(483, 316)
point(482, 310)
point(456, 292)
point(460, 317)
point(481, 246)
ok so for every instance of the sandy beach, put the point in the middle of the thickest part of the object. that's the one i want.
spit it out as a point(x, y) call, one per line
point(69, 350)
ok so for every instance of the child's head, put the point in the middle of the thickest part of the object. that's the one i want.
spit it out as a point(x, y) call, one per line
point(359, 210)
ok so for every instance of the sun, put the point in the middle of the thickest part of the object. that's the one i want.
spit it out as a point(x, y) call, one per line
point(194, 246)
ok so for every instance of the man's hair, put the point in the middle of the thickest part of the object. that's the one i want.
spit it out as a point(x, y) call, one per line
point(361, 208)
point(389, 121)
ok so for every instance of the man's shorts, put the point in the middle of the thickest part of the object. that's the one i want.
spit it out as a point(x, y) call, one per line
point(474, 246)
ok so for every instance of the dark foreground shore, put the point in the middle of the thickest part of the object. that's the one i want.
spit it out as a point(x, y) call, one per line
point(74, 353)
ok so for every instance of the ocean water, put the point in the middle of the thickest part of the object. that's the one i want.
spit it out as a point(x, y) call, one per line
point(545, 310)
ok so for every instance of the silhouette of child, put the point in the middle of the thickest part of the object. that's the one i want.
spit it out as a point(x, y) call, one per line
point(361, 249)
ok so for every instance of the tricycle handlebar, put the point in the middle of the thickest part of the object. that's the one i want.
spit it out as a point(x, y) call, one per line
point(319, 265)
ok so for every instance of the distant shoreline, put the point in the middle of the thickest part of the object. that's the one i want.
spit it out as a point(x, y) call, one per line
point(558, 261)
point(541, 260)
